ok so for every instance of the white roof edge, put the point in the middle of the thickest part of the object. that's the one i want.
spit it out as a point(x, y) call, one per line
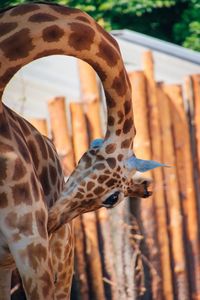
point(157, 45)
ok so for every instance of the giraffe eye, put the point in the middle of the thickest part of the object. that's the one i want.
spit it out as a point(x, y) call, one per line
point(111, 200)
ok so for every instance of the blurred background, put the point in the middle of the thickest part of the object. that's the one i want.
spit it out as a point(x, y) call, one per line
point(144, 248)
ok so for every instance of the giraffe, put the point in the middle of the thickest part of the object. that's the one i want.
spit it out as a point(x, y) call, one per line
point(36, 208)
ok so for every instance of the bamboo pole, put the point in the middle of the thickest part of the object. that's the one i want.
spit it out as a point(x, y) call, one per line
point(79, 129)
point(40, 125)
point(91, 102)
point(142, 148)
point(155, 135)
point(173, 200)
point(62, 139)
point(186, 183)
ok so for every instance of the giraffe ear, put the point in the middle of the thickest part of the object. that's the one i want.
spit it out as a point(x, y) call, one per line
point(96, 143)
point(142, 165)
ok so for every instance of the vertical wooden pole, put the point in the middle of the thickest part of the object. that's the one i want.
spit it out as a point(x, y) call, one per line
point(196, 95)
point(79, 130)
point(40, 125)
point(90, 98)
point(155, 135)
point(61, 140)
point(173, 200)
point(63, 143)
point(142, 148)
point(91, 102)
point(186, 184)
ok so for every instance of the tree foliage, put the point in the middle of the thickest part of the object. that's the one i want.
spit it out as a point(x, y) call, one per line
point(177, 21)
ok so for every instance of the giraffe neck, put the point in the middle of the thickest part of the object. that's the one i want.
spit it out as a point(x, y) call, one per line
point(33, 31)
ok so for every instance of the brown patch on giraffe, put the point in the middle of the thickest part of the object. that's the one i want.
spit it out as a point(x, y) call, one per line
point(4, 128)
point(8, 75)
point(97, 67)
point(3, 200)
point(34, 155)
point(119, 84)
point(19, 170)
point(110, 55)
point(64, 10)
point(49, 52)
point(53, 174)
point(102, 178)
point(107, 36)
point(36, 253)
point(44, 179)
point(83, 19)
point(24, 9)
point(22, 223)
point(81, 189)
point(111, 162)
point(126, 143)
point(23, 149)
point(90, 185)
point(35, 188)
point(21, 194)
point(18, 45)
point(94, 176)
point(7, 27)
point(99, 166)
point(46, 278)
point(42, 145)
point(127, 107)
point(98, 190)
point(111, 182)
point(4, 148)
point(73, 206)
point(42, 17)
point(118, 132)
point(110, 148)
point(111, 120)
point(3, 168)
point(89, 195)
point(52, 33)
point(82, 36)
point(120, 157)
point(79, 195)
point(88, 161)
point(26, 127)
point(120, 116)
point(41, 218)
point(110, 101)
point(99, 157)
point(128, 124)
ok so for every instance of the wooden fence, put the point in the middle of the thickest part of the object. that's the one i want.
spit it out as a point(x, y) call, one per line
point(143, 248)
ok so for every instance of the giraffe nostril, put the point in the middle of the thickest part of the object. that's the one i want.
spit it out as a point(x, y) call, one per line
point(111, 200)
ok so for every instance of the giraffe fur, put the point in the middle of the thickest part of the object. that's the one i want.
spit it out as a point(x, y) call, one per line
point(36, 207)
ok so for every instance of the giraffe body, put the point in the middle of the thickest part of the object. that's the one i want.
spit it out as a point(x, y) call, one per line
point(35, 207)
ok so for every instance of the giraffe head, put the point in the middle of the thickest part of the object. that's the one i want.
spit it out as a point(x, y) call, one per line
point(103, 177)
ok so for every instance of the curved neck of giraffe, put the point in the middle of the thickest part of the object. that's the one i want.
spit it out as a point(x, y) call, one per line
point(33, 31)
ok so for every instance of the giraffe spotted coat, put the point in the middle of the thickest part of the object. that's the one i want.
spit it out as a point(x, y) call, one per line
point(36, 208)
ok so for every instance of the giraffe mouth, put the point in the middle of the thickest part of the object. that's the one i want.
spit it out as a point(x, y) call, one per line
point(146, 192)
